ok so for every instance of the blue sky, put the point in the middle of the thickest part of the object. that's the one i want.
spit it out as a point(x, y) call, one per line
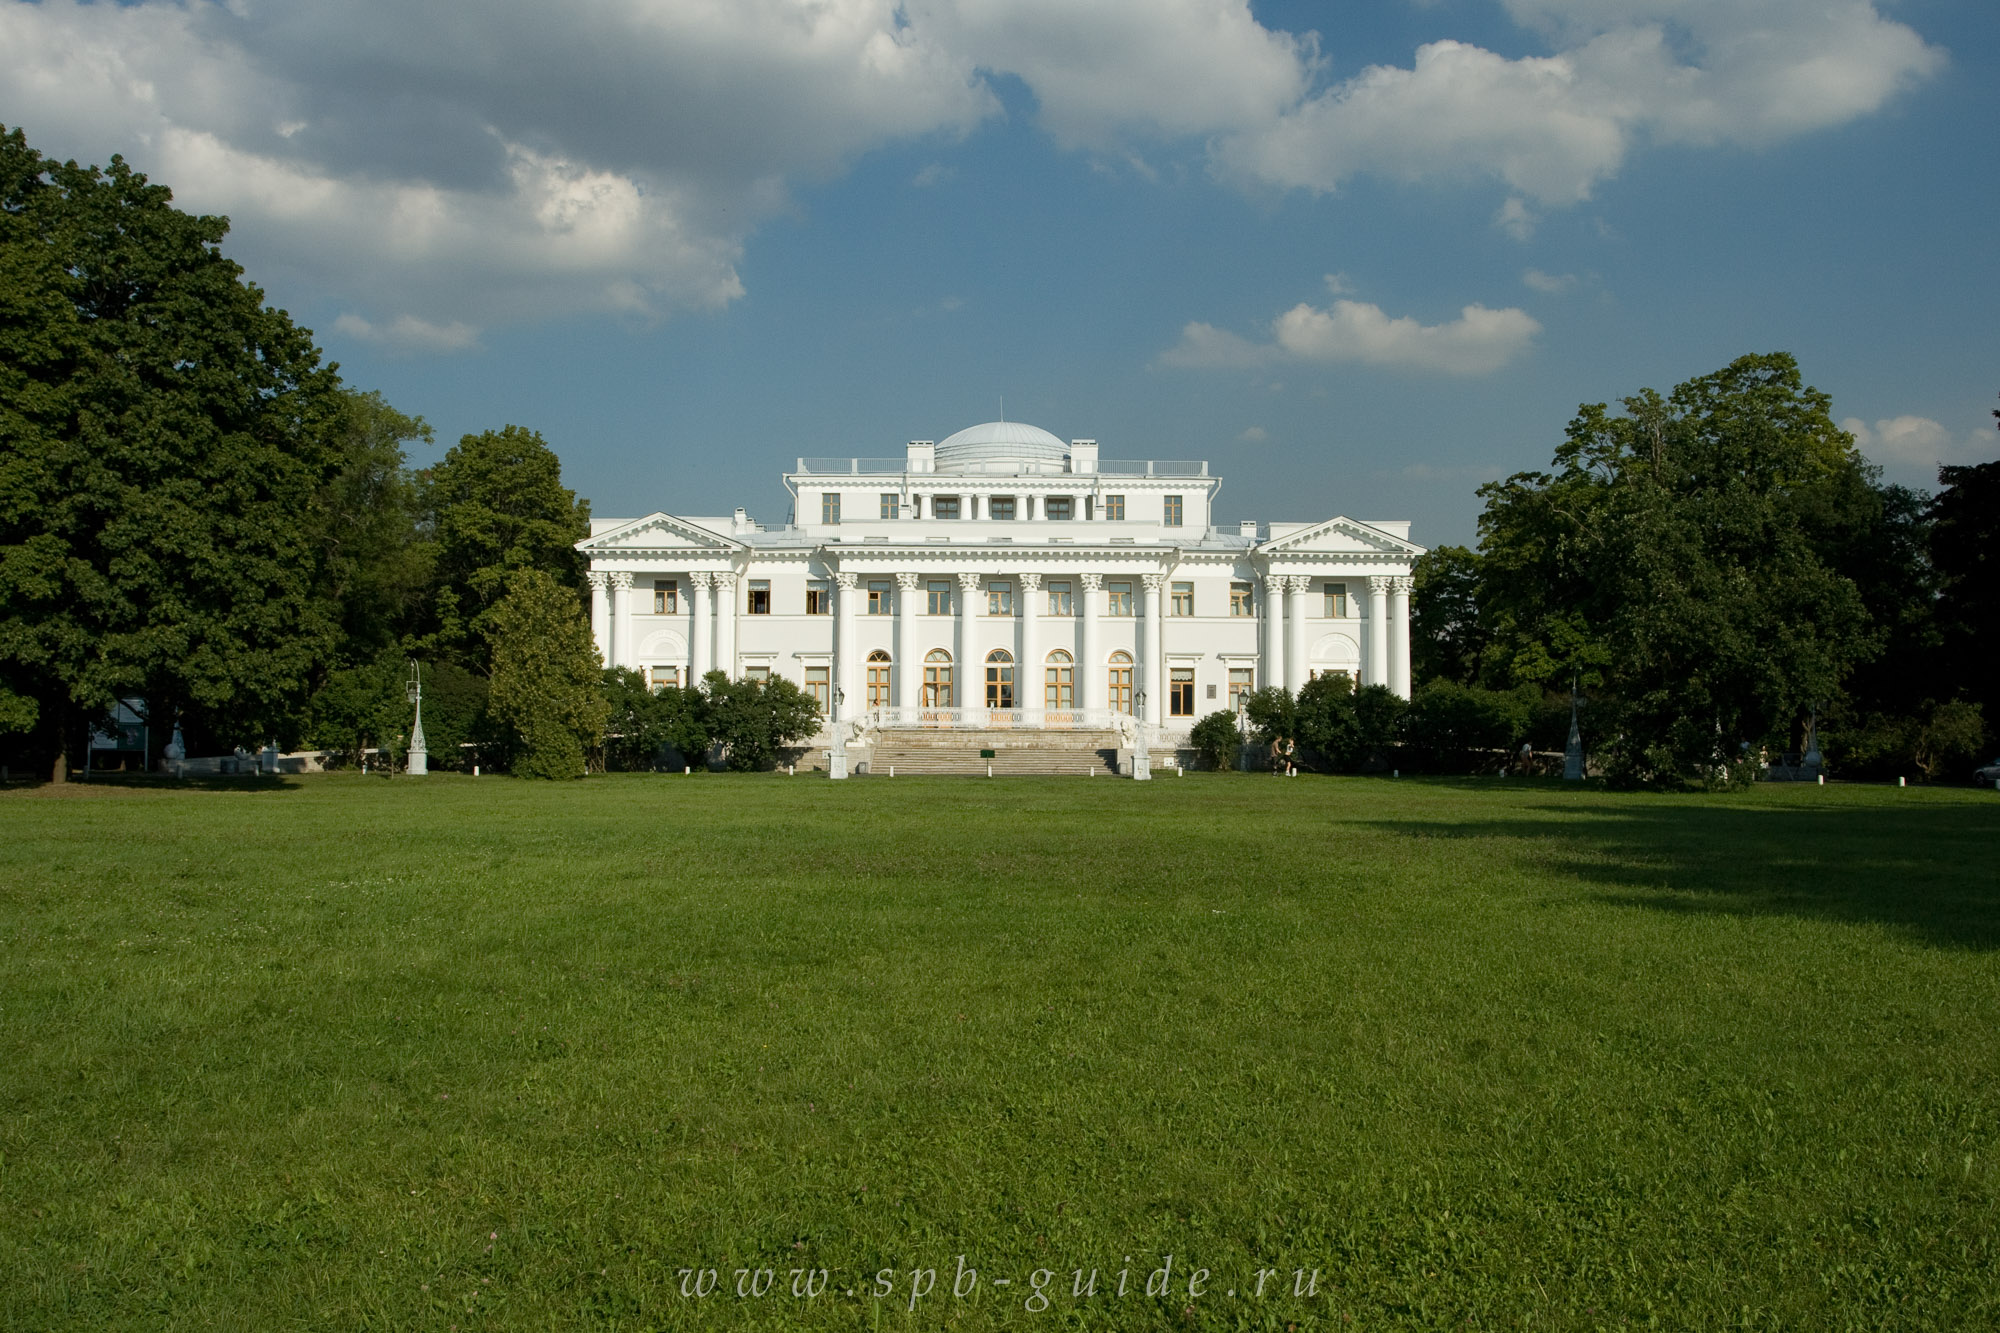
point(1361, 257)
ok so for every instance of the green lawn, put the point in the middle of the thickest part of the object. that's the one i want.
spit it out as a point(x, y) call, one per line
point(352, 1053)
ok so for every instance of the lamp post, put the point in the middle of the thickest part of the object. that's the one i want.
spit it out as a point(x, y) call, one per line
point(1573, 752)
point(420, 759)
point(837, 766)
point(1142, 757)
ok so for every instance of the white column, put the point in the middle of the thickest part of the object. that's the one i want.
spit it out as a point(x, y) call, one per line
point(1378, 630)
point(725, 623)
point(1091, 658)
point(621, 621)
point(1298, 667)
point(846, 657)
point(908, 672)
point(1399, 634)
point(968, 677)
point(1028, 684)
point(701, 654)
point(600, 614)
point(1274, 631)
point(1153, 672)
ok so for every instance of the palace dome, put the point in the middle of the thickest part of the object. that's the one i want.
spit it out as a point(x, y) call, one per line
point(1002, 446)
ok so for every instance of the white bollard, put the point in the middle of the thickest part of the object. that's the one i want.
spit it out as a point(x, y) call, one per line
point(686, 769)
point(989, 770)
point(475, 770)
point(1395, 772)
point(1822, 779)
point(1899, 782)
point(791, 770)
point(892, 770)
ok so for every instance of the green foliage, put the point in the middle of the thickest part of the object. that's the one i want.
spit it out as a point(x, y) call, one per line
point(373, 568)
point(753, 719)
point(1965, 547)
point(547, 683)
point(1215, 740)
point(646, 726)
point(165, 440)
point(1454, 728)
point(1677, 564)
point(495, 506)
point(1447, 637)
point(1324, 718)
point(18, 712)
point(1272, 716)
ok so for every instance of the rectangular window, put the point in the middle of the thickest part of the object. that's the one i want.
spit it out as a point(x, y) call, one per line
point(759, 673)
point(1118, 599)
point(760, 597)
point(1057, 507)
point(819, 685)
point(938, 593)
point(890, 508)
point(829, 507)
point(999, 599)
point(664, 678)
point(1240, 682)
point(878, 597)
point(1336, 600)
point(1183, 602)
point(1239, 600)
point(1001, 508)
point(944, 506)
point(666, 597)
point(1114, 508)
point(1180, 693)
point(819, 598)
point(1059, 600)
point(1173, 511)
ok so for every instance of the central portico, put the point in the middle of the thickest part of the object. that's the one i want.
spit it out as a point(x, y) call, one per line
point(1005, 578)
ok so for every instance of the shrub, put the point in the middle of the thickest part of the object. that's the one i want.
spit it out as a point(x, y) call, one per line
point(1215, 740)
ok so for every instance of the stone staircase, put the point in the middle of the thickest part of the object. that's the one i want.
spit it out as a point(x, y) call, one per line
point(912, 753)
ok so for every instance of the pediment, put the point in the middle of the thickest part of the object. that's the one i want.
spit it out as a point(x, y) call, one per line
point(657, 532)
point(1340, 536)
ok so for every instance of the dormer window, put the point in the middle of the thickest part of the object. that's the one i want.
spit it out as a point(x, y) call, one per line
point(1058, 508)
point(1001, 508)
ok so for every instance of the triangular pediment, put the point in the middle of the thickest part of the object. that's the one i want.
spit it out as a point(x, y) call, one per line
point(657, 532)
point(1340, 536)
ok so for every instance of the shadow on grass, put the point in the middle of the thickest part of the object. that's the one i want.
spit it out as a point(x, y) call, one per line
point(79, 785)
point(1927, 870)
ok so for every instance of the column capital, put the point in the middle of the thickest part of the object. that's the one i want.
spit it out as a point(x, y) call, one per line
point(1300, 583)
point(844, 580)
point(1274, 584)
point(725, 581)
point(619, 581)
point(969, 581)
point(1380, 584)
point(1153, 582)
point(1403, 583)
point(599, 579)
point(907, 581)
point(1030, 581)
point(1091, 582)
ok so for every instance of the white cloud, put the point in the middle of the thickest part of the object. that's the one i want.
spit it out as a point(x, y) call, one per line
point(409, 332)
point(1478, 342)
point(1913, 446)
point(1253, 435)
point(1549, 284)
point(515, 160)
point(1552, 127)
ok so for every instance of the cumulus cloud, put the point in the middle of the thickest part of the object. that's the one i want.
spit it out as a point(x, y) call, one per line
point(461, 166)
point(1917, 446)
point(1253, 435)
point(1549, 284)
point(1478, 342)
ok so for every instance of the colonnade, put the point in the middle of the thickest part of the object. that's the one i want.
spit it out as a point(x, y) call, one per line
point(1284, 659)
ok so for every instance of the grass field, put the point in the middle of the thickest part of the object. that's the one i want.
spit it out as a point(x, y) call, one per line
point(346, 1053)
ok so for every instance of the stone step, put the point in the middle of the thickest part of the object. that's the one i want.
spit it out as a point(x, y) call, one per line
point(970, 764)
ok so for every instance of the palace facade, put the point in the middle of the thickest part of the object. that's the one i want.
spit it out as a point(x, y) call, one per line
point(1002, 577)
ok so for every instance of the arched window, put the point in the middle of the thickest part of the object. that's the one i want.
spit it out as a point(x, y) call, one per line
point(937, 679)
point(1120, 694)
point(1061, 682)
point(999, 679)
point(878, 679)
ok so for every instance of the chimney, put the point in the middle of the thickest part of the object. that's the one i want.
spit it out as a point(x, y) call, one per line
point(1083, 455)
point(923, 456)
point(741, 522)
point(1248, 527)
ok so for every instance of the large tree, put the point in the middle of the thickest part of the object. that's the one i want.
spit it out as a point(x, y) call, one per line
point(165, 439)
point(1678, 560)
point(546, 686)
point(494, 506)
point(1965, 548)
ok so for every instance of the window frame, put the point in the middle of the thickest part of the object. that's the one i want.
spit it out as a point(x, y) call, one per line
point(663, 676)
point(937, 597)
point(1114, 509)
point(995, 503)
point(1050, 503)
point(1242, 681)
point(1062, 597)
point(829, 507)
point(819, 597)
point(1180, 692)
point(1173, 508)
point(757, 587)
point(821, 689)
point(1180, 598)
point(666, 597)
point(876, 682)
point(892, 505)
point(1118, 597)
point(1242, 599)
point(1118, 682)
point(1000, 598)
point(878, 597)
point(1059, 680)
point(946, 508)
point(1334, 605)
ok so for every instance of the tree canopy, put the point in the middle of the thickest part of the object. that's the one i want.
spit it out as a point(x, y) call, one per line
point(165, 440)
point(547, 679)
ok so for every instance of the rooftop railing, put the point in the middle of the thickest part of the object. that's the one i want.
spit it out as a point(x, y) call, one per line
point(1109, 467)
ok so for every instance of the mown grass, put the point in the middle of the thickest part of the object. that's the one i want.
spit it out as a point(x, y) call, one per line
point(353, 1053)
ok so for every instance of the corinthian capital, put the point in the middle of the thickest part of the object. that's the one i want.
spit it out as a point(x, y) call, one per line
point(969, 582)
point(620, 582)
point(1379, 584)
point(1031, 582)
point(907, 581)
point(844, 580)
point(599, 579)
point(1091, 582)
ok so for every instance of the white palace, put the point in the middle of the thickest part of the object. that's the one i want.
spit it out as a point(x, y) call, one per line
point(1003, 578)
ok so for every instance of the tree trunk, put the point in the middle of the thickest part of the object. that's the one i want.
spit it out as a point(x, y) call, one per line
point(60, 773)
